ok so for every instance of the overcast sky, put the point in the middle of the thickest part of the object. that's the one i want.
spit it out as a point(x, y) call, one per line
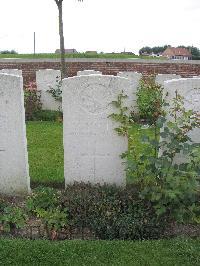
point(102, 25)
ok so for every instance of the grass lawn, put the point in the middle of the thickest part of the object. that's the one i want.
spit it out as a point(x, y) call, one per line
point(41, 252)
point(45, 150)
point(79, 55)
point(45, 147)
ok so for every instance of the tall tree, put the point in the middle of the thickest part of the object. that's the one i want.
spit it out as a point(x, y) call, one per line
point(59, 4)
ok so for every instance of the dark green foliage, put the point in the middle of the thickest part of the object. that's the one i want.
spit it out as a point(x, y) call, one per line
point(149, 99)
point(112, 212)
point(47, 115)
point(7, 52)
point(155, 49)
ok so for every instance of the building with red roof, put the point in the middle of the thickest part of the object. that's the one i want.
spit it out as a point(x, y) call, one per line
point(177, 53)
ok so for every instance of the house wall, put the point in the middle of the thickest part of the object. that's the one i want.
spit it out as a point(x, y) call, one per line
point(185, 68)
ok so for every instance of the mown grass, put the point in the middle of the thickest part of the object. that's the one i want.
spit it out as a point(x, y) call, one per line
point(45, 150)
point(79, 55)
point(45, 147)
point(41, 252)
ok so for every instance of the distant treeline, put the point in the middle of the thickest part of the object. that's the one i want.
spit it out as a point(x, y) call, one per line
point(8, 52)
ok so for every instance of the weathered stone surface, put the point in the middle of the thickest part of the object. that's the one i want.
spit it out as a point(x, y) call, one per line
point(15, 72)
point(92, 148)
point(134, 78)
point(45, 79)
point(189, 89)
point(88, 72)
point(161, 78)
point(14, 171)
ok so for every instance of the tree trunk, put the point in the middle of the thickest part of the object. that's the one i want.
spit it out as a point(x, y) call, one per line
point(62, 43)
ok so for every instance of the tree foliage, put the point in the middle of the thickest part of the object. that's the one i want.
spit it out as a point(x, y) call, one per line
point(154, 50)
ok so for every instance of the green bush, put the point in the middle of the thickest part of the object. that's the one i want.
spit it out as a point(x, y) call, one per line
point(149, 99)
point(12, 218)
point(171, 187)
point(47, 115)
point(112, 212)
point(43, 198)
point(32, 101)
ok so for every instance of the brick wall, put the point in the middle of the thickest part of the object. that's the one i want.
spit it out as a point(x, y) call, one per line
point(106, 66)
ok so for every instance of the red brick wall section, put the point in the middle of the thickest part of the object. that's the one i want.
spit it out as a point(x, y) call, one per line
point(107, 67)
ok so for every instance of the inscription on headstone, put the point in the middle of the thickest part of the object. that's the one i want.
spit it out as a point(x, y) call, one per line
point(92, 148)
point(14, 174)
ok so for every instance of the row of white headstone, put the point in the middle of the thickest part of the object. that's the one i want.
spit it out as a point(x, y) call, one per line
point(49, 78)
point(92, 148)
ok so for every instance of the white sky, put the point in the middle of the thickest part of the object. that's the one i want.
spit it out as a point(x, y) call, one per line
point(102, 25)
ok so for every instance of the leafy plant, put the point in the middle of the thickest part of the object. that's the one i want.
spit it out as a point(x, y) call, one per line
point(12, 218)
point(122, 116)
point(32, 101)
point(53, 219)
point(173, 188)
point(43, 198)
point(45, 204)
point(57, 91)
point(149, 99)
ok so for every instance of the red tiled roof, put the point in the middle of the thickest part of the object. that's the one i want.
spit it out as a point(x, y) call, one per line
point(171, 51)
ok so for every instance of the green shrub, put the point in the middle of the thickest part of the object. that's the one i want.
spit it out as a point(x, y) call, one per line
point(43, 198)
point(47, 115)
point(44, 203)
point(12, 218)
point(149, 99)
point(172, 188)
point(53, 219)
point(32, 101)
point(112, 212)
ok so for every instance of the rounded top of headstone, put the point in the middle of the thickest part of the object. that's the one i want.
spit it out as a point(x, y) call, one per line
point(182, 80)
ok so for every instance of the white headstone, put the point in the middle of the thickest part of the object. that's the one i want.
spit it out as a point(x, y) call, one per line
point(45, 79)
point(15, 72)
point(161, 78)
point(189, 89)
point(88, 72)
point(134, 78)
point(14, 170)
point(92, 147)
